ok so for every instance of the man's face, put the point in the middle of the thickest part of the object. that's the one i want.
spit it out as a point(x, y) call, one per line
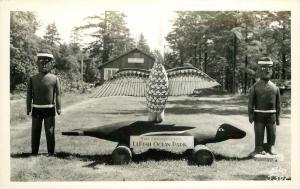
point(44, 64)
point(266, 72)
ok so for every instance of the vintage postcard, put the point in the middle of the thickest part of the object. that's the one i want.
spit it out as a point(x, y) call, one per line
point(149, 94)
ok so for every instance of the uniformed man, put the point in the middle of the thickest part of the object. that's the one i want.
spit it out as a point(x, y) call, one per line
point(43, 99)
point(264, 108)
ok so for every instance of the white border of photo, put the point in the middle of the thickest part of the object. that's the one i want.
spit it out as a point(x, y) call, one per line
point(9, 5)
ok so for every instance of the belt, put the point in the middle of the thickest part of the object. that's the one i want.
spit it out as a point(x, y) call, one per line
point(265, 111)
point(43, 106)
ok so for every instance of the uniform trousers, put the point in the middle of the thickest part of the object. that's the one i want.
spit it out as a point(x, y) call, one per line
point(262, 122)
point(38, 116)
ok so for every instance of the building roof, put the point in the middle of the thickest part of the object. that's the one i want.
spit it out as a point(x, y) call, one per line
point(135, 49)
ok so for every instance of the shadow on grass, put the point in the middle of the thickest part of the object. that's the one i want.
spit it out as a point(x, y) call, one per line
point(213, 110)
point(251, 177)
point(219, 157)
point(24, 155)
point(150, 155)
point(234, 101)
point(120, 112)
point(219, 107)
point(203, 178)
point(230, 106)
point(98, 159)
point(260, 177)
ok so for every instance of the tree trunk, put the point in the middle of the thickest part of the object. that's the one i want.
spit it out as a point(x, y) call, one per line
point(283, 59)
point(246, 62)
point(195, 52)
point(205, 62)
point(181, 56)
point(200, 57)
point(105, 40)
point(279, 69)
point(228, 72)
point(234, 64)
point(283, 55)
point(205, 57)
point(246, 75)
point(234, 54)
point(228, 79)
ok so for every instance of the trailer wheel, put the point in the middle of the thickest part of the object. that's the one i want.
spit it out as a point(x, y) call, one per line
point(121, 155)
point(202, 155)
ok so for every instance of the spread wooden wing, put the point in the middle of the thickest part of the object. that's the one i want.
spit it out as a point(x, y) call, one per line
point(184, 80)
point(126, 82)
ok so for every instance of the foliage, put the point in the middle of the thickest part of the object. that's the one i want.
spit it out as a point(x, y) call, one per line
point(111, 35)
point(227, 45)
point(67, 61)
point(142, 44)
point(91, 71)
point(23, 47)
point(52, 36)
point(158, 56)
point(24, 44)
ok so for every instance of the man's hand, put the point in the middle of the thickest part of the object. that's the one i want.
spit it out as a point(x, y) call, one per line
point(251, 118)
point(28, 112)
point(277, 122)
point(58, 111)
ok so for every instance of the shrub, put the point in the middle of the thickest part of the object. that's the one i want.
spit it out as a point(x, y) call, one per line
point(21, 87)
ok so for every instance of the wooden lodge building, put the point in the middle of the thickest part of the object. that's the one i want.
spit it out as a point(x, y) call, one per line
point(132, 59)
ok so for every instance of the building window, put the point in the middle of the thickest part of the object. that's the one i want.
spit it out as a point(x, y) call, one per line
point(136, 60)
point(109, 72)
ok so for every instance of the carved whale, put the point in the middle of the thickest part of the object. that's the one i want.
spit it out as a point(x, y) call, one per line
point(121, 132)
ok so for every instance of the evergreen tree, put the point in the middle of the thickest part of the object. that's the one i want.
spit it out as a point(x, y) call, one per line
point(52, 36)
point(111, 35)
point(142, 44)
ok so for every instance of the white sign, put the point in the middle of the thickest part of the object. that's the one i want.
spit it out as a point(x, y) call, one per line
point(169, 143)
point(136, 60)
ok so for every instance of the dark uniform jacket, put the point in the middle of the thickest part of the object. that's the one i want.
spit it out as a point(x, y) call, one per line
point(43, 89)
point(264, 97)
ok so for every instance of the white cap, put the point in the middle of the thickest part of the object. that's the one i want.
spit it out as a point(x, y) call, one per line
point(45, 55)
point(265, 61)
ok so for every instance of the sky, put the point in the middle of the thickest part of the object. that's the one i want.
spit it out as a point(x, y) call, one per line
point(154, 24)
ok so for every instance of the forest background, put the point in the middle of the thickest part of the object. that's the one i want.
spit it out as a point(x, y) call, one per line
point(224, 44)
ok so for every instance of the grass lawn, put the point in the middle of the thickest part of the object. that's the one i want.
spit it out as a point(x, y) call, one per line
point(88, 159)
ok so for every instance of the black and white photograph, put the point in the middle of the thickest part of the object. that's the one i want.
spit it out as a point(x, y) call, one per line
point(150, 91)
